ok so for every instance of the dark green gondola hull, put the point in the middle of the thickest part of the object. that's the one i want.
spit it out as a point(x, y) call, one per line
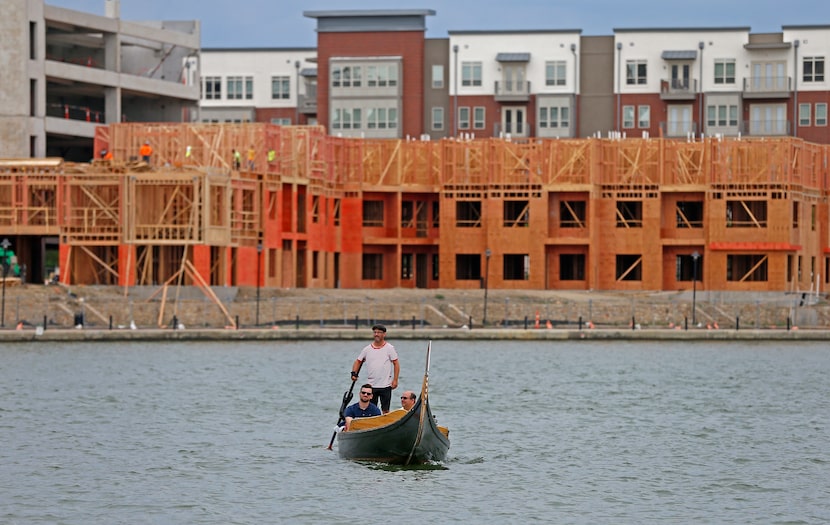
point(400, 442)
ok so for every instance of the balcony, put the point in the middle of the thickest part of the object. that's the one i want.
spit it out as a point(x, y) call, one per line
point(512, 91)
point(678, 128)
point(678, 89)
point(767, 127)
point(308, 104)
point(767, 87)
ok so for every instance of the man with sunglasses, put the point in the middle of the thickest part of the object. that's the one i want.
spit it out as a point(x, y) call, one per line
point(363, 408)
point(382, 368)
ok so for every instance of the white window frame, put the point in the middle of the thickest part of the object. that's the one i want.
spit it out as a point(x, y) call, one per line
point(280, 88)
point(804, 115)
point(239, 87)
point(554, 117)
point(628, 117)
point(724, 76)
point(813, 76)
point(556, 72)
point(643, 116)
point(821, 114)
point(437, 118)
point(633, 76)
point(212, 94)
point(479, 117)
point(437, 76)
point(471, 74)
point(464, 117)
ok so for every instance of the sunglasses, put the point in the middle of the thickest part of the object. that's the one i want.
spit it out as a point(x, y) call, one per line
point(366, 393)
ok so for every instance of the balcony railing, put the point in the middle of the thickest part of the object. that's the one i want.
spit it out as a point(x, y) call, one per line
point(308, 104)
point(769, 127)
point(512, 91)
point(767, 87)
point(678, 128)
point(678, 89)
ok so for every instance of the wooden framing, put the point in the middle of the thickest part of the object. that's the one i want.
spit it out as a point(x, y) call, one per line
point(296, 213)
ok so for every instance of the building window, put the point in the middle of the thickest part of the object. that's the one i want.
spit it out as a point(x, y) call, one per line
point(468, 266)
point(635, 72)
point(554, 117)
point(725, 71)
point(628, 116)
point(281, 121)
point(804, 114)
point(336, 212)
point(346, 76)
point(471, 73)
point(372, 266)
point(629, 214)
point(212, 89)
point(516, 213)
point(437, 119)
point(689, 214)
point(572, 267)
point(722, 115)
point(555, 73)
point(813, 69)
point(406, 266)
point(382, 118)
point(516, 266)
point(468, 214)
point(280, 88)
point(372, 214)
point(478, 117)
point(821, 114)
point(240, 88)
point(746, 214)
point(629, 268)
point(437, 76)
point(464, 118)
point(746, 268)
point(572, 214)
point(435, 267)
point(644, 116)
point(382, 75)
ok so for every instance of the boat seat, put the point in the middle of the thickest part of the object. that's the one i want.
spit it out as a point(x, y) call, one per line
point(364, 423)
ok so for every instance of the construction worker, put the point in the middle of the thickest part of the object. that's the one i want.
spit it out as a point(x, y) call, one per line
point(237, 159)
point(272, 155)
point(251, 158)
point(145, 151)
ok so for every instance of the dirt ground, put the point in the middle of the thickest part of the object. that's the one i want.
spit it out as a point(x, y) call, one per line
point(98, 306)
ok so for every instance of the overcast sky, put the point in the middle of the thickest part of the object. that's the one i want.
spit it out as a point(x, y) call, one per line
point(280, 23)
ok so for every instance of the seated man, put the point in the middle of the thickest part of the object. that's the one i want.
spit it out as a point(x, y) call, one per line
point(408, 400)
point(362, 408)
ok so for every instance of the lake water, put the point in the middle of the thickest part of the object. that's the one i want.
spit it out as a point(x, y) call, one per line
point(561, 432)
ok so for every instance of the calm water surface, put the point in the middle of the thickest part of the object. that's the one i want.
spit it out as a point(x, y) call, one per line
point(578, 432)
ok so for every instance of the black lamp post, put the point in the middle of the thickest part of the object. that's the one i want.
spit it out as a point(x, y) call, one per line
point(258, 270)
point(297, 94)
point(455, 91)
point(695, 257)
point(5, 263)
point(487, 254)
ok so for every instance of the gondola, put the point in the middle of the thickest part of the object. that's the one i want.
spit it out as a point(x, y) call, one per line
point(399, 437)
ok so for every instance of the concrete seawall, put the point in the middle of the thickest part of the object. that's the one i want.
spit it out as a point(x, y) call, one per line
point(488, 334)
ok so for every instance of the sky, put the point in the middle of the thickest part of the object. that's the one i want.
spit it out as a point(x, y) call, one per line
point(280, 23)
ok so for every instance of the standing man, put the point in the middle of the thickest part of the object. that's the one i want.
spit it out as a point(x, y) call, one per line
point(382, 367)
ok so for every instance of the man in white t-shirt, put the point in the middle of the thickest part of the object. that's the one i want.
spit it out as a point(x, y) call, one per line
point(382, 367)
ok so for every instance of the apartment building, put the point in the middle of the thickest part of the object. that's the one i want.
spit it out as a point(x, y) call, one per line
point(66, 72)
point(378, 76)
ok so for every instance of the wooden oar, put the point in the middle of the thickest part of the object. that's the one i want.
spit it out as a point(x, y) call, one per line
point(347, 396)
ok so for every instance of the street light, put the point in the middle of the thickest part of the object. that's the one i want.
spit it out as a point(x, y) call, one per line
point(5, 263)
point(487, 254)
point(258, 267)
point(700, 46)
point(297, 85)
point(695, 257)
point(455, 92)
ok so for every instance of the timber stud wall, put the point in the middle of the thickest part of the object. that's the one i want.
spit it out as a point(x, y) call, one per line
point(328, 211)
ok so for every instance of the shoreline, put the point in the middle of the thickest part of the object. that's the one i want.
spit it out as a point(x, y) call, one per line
point(438, 334)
